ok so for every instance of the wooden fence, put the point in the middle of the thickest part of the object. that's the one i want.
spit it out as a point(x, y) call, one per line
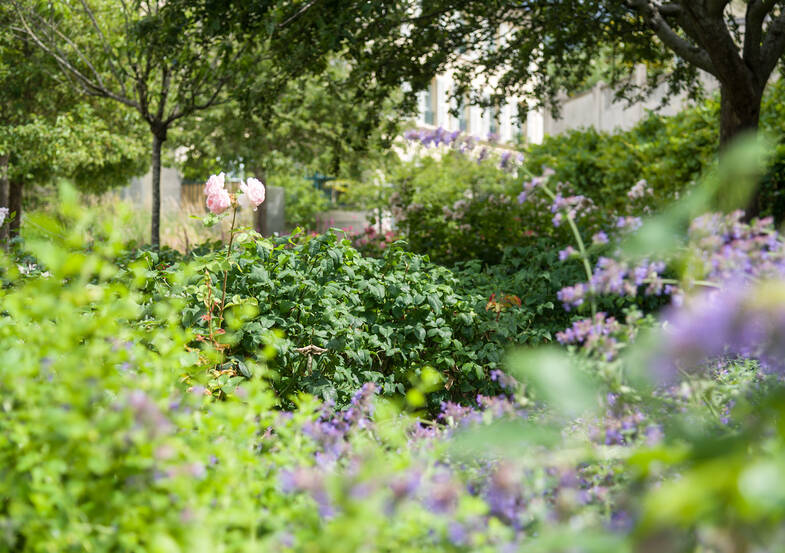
point(192, 193)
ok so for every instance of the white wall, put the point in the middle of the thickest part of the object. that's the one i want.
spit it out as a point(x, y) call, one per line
point(140, 190)
point(596, 108)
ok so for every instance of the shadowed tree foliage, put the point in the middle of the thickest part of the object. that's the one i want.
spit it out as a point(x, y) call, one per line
point(320, 122)
point(536, 48)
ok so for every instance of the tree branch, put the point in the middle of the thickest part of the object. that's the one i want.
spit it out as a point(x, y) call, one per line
point(715, 8)
point(753, 30)
point(62, 36)
point(94, 88)
point(107, 48)
point(297, 15)
point(684, 49)
point(166, 80)
point(670, 9)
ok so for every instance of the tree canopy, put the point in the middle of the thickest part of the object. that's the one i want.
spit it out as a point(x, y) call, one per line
point(48, 131)
point(167, 60)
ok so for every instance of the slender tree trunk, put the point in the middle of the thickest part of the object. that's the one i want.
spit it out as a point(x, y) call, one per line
point(740, 113)
point(155, 230)
point(15, 205)
point(4, 199)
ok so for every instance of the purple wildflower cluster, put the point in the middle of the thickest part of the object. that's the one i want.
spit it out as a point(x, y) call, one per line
point(513, 494)
point(733, 316)
point(625, 427)
point(600, 334)
point(569, 206)
point(640, 190)
point(721, 248)
point(557, 199)
point(629, 223)
point(147, 416)
point(432, 138)
point(727, 249)
point(330, 429)
point(741, 320)
point(611, 276)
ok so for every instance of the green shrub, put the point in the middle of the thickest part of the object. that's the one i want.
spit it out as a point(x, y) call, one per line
point(379, 320)
point(454, 209)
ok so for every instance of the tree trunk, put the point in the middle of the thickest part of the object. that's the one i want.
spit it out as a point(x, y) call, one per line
point(4, 199)
point(15, 206)
point(155, 228)
point(740, 113)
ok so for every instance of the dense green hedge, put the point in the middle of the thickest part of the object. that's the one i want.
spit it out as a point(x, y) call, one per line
point(379, 320)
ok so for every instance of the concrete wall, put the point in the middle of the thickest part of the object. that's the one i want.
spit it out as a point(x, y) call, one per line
point(140, 190)
point(274, 204)
point(353, 222)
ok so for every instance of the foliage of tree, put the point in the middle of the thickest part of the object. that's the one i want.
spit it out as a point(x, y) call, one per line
point(532, 48)
point(49, 131)
point(319, 123)
point(165, 60)
point(136, 53)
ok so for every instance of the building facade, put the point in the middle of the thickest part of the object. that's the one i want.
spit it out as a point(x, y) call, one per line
point(595, 107)
point(500, 123)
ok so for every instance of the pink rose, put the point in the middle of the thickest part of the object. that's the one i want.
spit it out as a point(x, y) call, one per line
point(214, 184)
point(219, 201)
point(252, 193)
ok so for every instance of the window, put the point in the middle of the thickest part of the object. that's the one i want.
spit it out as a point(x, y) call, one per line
point(492, 113)
point(429, 115)
point(519, 130)
point(463, 116)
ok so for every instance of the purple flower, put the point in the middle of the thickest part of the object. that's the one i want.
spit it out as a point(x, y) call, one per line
point(457, 534)
point(505, 160)
point(640, 190)
point(567, 253)
point(631, 223)
point(572, 296)
point(443, 493)
point(598, 334)
point(737, 321)
point(147, 414)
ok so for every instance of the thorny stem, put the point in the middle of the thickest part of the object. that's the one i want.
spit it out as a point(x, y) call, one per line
point(226, 272)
